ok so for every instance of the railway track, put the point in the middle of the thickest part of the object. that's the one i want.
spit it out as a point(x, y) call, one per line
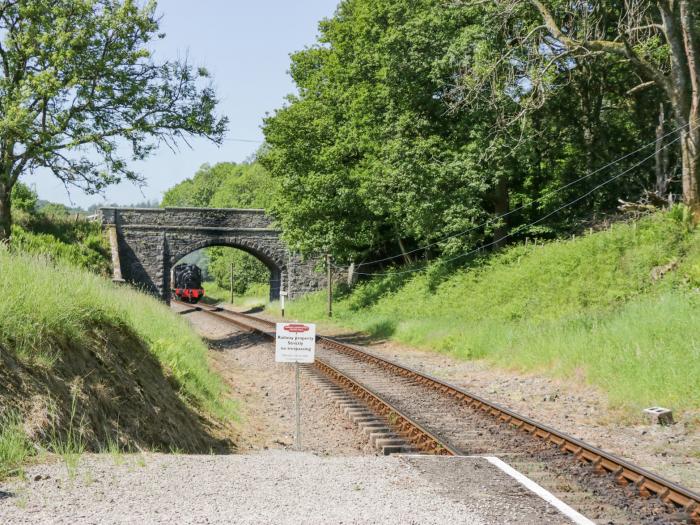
point(439, 418)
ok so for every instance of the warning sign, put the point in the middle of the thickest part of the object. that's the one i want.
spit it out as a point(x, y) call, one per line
point(295, 343)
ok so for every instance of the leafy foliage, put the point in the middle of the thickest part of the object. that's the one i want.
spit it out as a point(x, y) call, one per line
point(79, 87)
point(24, 198)
point(375, 156)
point(54, 232)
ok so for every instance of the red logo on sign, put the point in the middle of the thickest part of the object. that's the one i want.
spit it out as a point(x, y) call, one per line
point(296, 328)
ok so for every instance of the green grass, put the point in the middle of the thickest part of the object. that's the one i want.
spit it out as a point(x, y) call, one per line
point(15, 448)
point(256, 295)
point(48, 306)
point(71, 445)
point(584, 308)
point(78, 242)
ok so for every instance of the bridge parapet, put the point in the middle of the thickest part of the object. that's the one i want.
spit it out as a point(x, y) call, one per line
point(183, 217)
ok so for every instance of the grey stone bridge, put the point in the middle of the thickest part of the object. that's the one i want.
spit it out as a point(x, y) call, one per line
point(146, 244)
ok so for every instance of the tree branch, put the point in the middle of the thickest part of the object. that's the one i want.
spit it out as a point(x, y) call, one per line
point(621, 49)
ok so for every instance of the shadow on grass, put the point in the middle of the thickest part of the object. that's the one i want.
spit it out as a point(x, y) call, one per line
point(377, 333)
point(255, 310)
point(369, 292)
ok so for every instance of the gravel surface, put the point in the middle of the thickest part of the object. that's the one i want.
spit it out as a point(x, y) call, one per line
point(271, 487)
point(569, 404)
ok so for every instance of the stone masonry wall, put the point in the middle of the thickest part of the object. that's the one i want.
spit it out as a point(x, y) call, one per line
point(151, 241)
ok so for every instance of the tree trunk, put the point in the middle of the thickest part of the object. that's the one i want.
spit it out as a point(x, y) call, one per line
point(690, 141)
point(501, 207)
point(406, 256)
point(5, 212)
point(690, 149)
point(661, 167)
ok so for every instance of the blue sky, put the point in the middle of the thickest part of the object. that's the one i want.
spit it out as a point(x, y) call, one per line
point(245, 45)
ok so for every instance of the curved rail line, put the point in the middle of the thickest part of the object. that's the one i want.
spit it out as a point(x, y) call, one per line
point(625, 473)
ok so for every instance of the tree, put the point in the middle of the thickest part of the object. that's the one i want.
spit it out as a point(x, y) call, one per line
point(367, 158)
point(659, 39)
point(416, 120)
point(79, 88)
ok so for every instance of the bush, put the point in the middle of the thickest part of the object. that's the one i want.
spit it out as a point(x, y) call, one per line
point(66, 239)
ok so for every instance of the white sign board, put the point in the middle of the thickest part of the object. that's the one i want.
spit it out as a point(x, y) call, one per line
point(295, 343)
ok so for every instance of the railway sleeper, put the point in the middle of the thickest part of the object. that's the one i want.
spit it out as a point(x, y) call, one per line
point(377, 428)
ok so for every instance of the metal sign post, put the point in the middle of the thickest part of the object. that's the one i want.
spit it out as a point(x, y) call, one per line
point(231, 301)
point(297, 409)
point(295, 343)
point(283, 294)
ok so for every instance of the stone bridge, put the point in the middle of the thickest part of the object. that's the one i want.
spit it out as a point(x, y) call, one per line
point(146, 244)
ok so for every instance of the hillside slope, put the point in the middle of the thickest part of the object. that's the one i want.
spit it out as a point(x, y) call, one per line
point(617, 308)
point(84, 360)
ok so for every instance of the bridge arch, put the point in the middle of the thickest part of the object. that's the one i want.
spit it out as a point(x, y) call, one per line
point(147, 242)
point(276, 266)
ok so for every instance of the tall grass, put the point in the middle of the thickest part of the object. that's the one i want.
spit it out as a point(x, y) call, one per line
point(579, 308)
point(46, 305)
point(15, 448)
point(71, 445)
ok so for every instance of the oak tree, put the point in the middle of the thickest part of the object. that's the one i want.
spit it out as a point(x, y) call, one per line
point(659, 39)
point(81, 93)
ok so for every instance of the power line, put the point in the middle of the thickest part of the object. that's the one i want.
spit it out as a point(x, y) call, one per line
point(524, 206)
point(533, 223)
point(244, 140)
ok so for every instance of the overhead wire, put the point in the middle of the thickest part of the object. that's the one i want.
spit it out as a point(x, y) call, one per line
point(533, 223)
point(244, 140)
point(524, 206)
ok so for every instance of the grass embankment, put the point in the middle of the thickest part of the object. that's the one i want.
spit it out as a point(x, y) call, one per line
point(583, 309)
point(72, 240)
point(255, 296)
point(80, 354)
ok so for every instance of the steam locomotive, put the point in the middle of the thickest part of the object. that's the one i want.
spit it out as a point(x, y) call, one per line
point(186, 282)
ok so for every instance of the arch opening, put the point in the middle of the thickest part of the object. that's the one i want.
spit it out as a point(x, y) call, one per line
point(257, 276)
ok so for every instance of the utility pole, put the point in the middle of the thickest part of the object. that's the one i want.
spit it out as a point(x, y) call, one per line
point(231, 301)
point(330, 285)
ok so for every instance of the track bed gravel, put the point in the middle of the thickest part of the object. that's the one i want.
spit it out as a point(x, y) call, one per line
point(266, 392)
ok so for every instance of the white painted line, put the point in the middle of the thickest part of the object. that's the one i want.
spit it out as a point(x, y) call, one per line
point(543, 493)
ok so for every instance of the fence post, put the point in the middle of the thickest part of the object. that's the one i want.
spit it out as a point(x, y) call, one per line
point(329, 285)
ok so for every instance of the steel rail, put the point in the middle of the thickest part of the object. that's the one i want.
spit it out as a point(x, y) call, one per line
point(422, 438)
point(625, 473)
